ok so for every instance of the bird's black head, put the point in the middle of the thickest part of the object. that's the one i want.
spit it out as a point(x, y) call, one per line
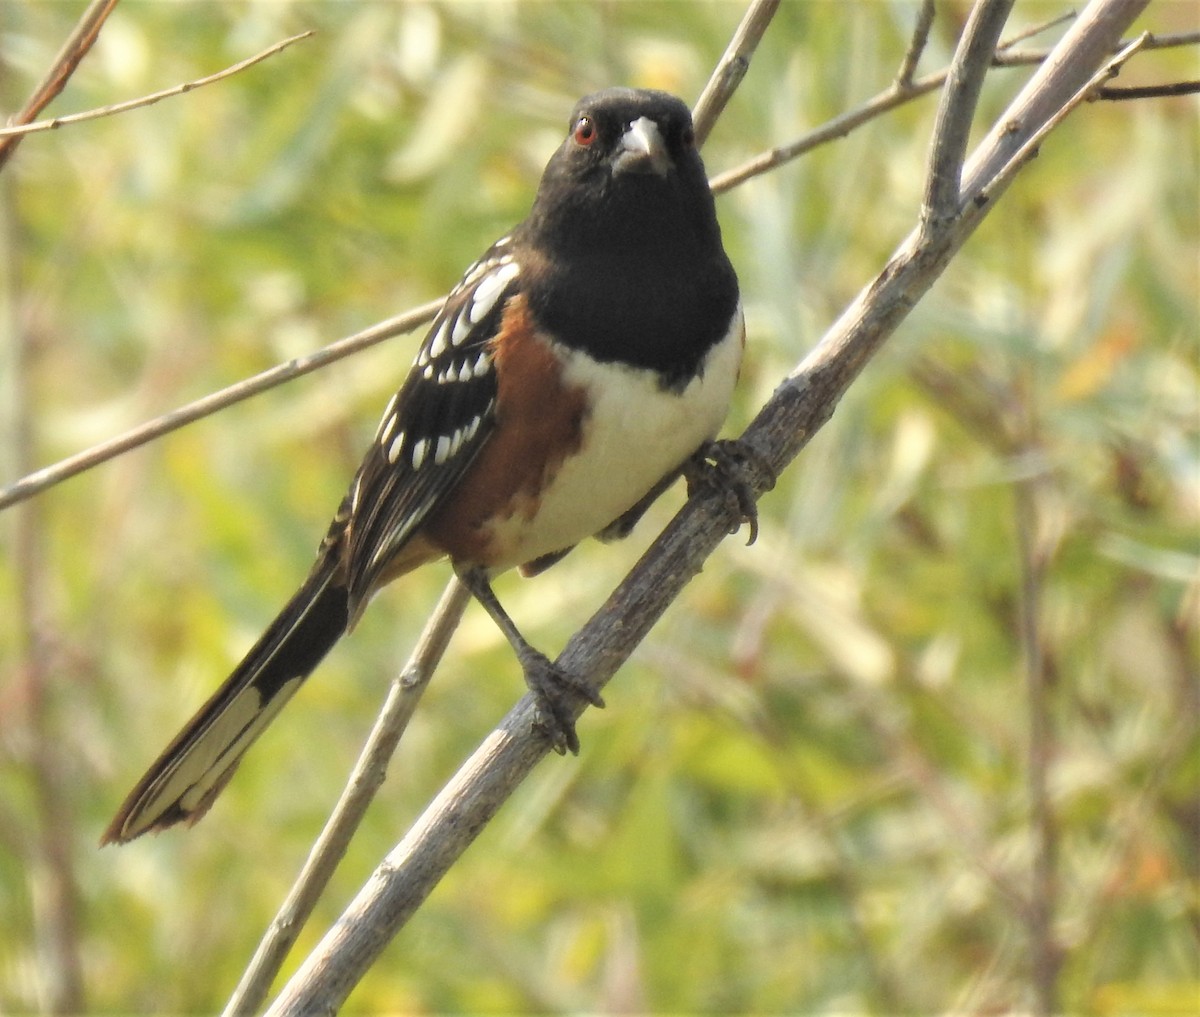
point(624, 130)
point(628, 165)
point(622, 253)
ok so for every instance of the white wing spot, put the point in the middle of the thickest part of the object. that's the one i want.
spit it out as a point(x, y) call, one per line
point(387, 427)
point(475, 271)
point(418, 453)
point(442, 452)
point(438, 346)
point(395, 448)
point(427, 373)
point(489, 290)
point(388, 420)
point(462, 329)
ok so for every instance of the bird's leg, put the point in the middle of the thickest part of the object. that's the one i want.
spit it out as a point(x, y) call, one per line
point(724, 468)
point(552, 687)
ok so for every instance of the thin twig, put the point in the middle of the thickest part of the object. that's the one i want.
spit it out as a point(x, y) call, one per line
point(149, 100)
point(916, 46)
point(838, 127)
point(732, 66)
point(77, 46)
point(795, 412)
point(364, 781)
point(168, 422)
point(956, 110)
point(895, 96)
point(1028, 33)
point(1148, 91)
point(1021, 57)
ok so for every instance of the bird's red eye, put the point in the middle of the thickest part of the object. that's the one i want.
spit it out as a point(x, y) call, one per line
point(585, 131)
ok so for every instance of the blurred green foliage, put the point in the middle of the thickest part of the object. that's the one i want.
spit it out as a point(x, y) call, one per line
point(810, 791)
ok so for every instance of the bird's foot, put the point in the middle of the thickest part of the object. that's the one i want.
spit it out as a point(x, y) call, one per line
point(554, 694)
point(734, 470)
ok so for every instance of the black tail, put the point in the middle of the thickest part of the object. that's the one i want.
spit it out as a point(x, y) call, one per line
point(188, 776)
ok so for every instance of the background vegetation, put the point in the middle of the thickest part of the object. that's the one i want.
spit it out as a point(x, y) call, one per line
point(816, 788)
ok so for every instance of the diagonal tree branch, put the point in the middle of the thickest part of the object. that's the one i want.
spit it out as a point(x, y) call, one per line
point(801, 405)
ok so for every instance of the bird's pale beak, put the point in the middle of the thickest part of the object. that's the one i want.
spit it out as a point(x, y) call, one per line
point(642, 150)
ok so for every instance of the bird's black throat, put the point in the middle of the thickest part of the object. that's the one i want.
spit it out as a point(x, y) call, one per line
point(637, 275)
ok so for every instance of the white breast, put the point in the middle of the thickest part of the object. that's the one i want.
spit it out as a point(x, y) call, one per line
point(635, 434)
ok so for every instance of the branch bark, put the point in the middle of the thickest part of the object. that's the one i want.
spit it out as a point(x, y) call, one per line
point(799, 407)
point(956, 111)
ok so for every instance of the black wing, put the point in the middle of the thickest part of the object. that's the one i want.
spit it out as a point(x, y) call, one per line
point(433, 427)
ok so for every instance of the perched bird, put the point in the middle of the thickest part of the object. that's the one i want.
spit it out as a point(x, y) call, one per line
point(570, 377)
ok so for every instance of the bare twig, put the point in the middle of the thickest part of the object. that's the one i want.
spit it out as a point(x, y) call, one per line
point(895, 96)
point(732, 66)
point(78, 43)
point(365, 779)
point(1149, 91)
point(1021, 57)
point(796, 411)
point(168, 422)
point(956, 110)
point(838, 127)
point(149, 100)
point(1028, 33)
point(916, 47)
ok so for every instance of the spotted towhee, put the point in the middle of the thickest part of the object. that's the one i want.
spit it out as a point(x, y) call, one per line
point(570, 377)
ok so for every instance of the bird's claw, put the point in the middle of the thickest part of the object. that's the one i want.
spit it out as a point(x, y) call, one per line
point(736, 470)
point(553, 691)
